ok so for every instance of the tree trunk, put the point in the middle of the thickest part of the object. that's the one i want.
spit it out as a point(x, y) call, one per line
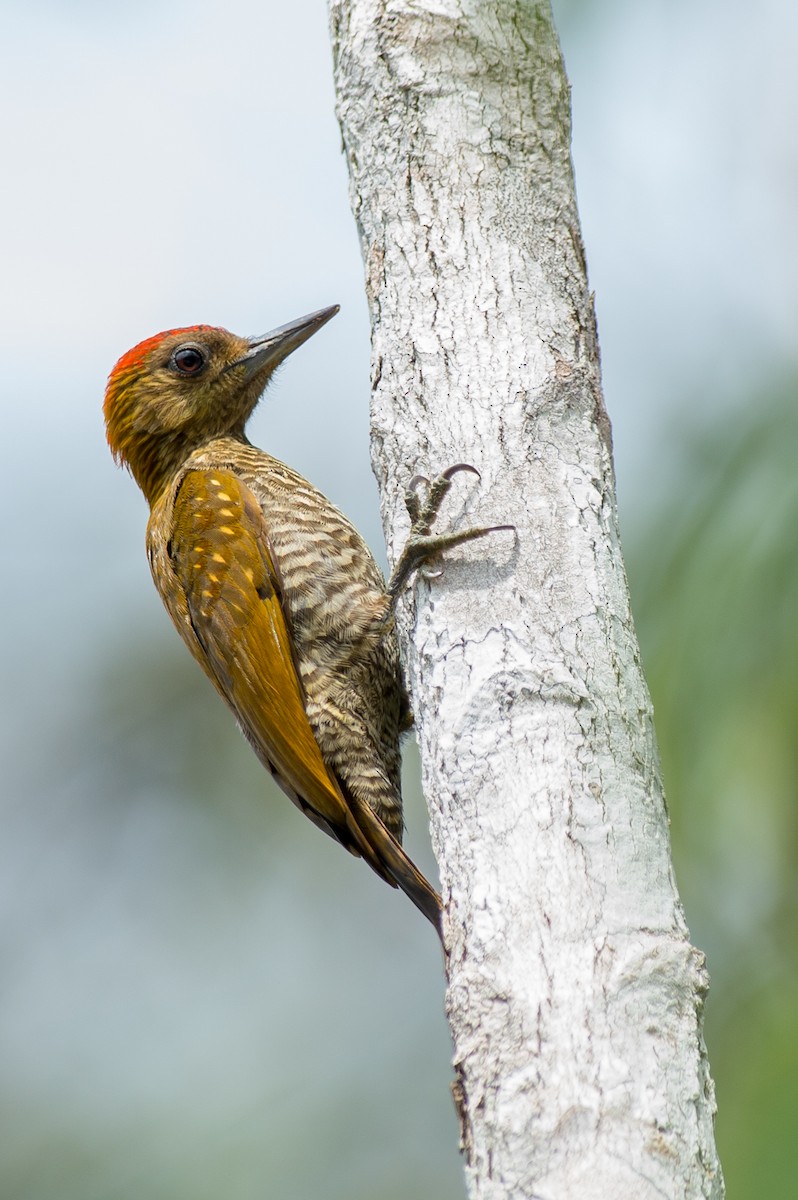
point(574, 996)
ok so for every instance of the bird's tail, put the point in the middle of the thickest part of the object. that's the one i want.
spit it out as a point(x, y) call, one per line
point(395, 866)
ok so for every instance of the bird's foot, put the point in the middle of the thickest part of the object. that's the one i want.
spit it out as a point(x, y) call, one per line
point(422, 545)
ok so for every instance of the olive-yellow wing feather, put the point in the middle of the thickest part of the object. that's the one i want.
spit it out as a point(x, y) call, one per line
point(221, 560)
point(228, 606)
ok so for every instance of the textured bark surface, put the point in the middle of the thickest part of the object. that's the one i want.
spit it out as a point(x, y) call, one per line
point(574, 995)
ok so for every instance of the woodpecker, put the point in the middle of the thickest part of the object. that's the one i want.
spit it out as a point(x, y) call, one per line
point(272, 589)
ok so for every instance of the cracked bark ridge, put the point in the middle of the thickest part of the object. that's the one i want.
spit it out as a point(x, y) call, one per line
point(574, 995)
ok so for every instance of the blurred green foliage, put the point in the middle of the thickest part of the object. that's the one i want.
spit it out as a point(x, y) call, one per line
point(715, 591)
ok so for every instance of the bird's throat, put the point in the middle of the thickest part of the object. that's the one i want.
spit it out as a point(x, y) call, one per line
point(156, 460)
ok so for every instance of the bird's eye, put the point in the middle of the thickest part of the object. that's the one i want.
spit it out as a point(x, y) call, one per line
point(188, 360)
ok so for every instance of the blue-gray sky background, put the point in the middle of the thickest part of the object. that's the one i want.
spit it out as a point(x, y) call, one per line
point(199, 995)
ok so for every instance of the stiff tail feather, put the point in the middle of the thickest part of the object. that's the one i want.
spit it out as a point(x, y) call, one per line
point(395, 865)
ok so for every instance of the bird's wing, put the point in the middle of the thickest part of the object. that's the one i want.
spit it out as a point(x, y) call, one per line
point(228, 606)
point(221, 562)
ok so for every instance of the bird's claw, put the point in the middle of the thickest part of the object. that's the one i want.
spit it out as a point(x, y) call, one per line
point(421, 545)
point(423, 514)
point(412, 502)
point(450, 472)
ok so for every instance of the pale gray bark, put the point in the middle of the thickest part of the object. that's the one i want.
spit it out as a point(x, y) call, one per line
point(574, 996)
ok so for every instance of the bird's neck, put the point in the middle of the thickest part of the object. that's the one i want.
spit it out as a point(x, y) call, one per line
point(158, 458)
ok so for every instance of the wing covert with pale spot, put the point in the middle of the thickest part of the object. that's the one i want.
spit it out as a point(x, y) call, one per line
point(221, 559)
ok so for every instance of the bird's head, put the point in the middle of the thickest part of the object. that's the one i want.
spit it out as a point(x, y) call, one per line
point(182, 388)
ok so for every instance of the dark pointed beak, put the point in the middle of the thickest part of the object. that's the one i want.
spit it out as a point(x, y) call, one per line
point(273, 347)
